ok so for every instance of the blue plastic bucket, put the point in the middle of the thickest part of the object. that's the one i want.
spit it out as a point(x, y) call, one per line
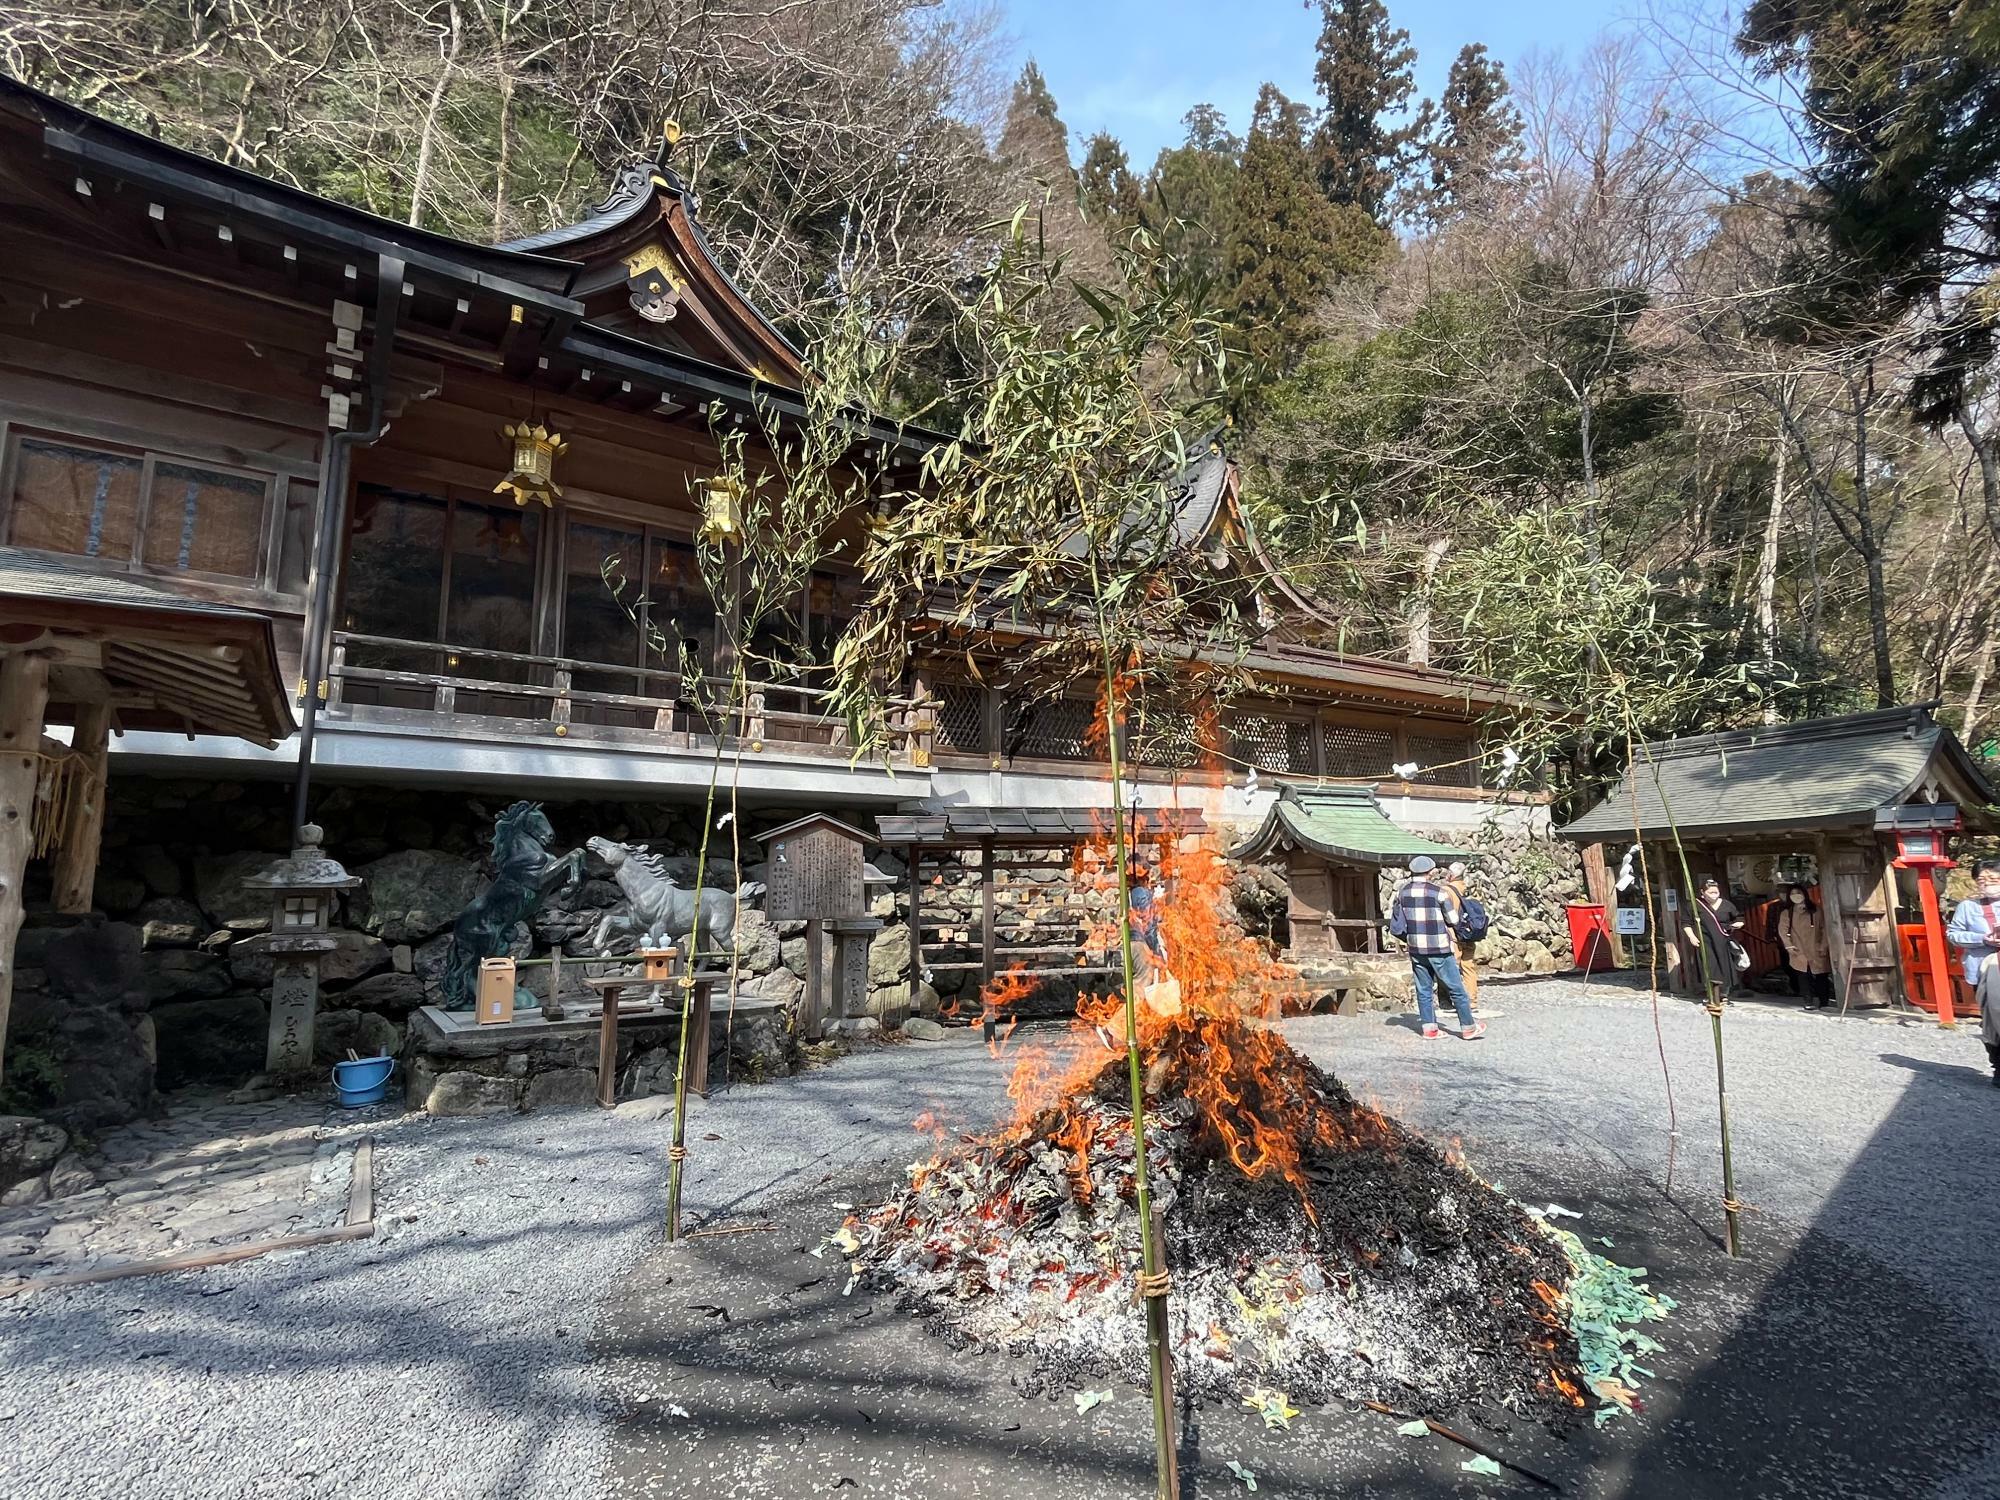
point(362, 1082)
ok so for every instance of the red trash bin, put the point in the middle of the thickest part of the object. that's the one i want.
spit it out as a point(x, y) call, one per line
point(1589, 938)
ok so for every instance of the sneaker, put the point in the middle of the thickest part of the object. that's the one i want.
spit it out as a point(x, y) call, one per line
point(1474, 1032)
point(1431, 1033)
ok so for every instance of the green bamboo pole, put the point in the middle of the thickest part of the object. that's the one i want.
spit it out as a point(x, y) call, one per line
point(1152, 1285)
point(1711, 1000)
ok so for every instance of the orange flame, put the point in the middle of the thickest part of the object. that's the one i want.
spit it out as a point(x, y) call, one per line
point(1253, 1101)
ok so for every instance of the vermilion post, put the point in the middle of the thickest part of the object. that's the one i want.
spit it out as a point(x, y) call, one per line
point(1934, 940)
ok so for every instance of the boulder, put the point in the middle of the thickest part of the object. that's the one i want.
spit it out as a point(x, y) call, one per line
point(758, 947)
point(1537, 959)
point(170, 922)
point(184, 973)
point(781, 985)
point(335, 1032)
point(889, 956)
point(218, 885)
point(890, 1002)
point(117, 894)
point(215, 1040)
point(412, 894)
point(855, 1028)
point(97, 963)
point(393, 994)
point(793, 953)
point(922, 1029)
point(561, 1088)
point(28, 1148)
point(464, 1093)
point(159, 869)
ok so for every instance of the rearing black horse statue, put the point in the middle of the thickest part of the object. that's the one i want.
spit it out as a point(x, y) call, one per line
point(523, 875)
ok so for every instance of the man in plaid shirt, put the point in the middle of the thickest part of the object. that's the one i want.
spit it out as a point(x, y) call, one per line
point(1425, 916)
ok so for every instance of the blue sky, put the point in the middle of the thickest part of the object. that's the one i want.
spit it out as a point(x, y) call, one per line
point(1134, 67)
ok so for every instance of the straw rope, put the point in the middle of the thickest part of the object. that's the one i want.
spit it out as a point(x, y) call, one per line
point(62, 783)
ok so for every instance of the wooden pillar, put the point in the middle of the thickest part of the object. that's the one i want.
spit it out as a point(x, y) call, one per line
point(82, 832)
point(915, 854)
point(986, 935)
point(1840, 935)
point(24, 697)
point(1597, 881)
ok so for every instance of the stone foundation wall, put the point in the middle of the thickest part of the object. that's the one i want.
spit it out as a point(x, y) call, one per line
point(155, 990)
point(1524, 880)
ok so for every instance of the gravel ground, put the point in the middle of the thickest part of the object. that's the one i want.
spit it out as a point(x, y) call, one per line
point(451, 1356)
point(1881, 1134)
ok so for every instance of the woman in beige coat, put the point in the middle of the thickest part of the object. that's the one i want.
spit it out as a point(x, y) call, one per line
point(1802, 932)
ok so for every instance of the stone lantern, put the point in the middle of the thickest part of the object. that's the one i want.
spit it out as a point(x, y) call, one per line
point(302, 887)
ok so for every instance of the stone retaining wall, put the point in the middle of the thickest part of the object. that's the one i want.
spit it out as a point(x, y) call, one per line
point(155, 990)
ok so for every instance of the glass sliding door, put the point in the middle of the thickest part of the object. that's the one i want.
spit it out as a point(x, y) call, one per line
point(490, 605)
point(603, 609)
point(393, 586)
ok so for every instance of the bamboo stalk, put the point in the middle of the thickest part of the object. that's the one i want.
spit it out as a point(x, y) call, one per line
point(1157, 1353)
point(1710, 987)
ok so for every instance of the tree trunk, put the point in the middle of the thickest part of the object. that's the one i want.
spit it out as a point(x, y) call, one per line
point(1989, 468)
point(1869, 545)
point(1420, 603)
point(24, 694)
point(1767, 579)
point(1968, 721)
point(420, 179)
point(500, 156)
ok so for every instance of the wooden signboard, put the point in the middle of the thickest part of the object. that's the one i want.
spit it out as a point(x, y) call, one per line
point(815, 870)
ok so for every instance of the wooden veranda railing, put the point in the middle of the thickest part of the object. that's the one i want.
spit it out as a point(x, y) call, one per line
point(439, 683)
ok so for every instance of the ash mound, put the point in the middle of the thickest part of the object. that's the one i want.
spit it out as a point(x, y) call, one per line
point(1316, 1247)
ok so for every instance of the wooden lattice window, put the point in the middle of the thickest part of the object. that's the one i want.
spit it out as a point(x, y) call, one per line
point(1063, 730)
point(1167, 738)
point(1272, 743)
point(961, 717)
point(1444, 760)
point(1359, 750)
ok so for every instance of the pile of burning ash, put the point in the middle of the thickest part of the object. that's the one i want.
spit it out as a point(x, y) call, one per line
point(1315, 1246)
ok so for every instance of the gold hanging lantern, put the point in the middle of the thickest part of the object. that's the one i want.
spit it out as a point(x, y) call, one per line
point(722, 511)
point(536, 450)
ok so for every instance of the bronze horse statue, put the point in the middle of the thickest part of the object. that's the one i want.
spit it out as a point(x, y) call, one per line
point(524, 872)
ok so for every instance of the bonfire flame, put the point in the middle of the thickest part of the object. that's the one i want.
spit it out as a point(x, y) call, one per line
point(1253, 1102)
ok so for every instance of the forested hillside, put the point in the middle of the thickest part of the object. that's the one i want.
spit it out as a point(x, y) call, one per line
point(1672, 352)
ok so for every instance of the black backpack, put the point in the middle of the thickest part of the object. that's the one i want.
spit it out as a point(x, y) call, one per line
point(1473, 921)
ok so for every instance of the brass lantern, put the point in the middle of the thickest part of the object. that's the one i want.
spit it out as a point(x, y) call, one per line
point(722, 511)
point(536, 450)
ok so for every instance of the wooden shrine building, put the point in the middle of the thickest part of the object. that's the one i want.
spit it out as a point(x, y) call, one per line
point(1333, 844)
point(1832, 803)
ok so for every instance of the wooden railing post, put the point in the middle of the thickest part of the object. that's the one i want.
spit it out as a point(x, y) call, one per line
point(335, 673)
point(755, 725)
point(560, 706)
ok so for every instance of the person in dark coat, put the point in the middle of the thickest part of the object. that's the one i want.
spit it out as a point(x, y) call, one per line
point(1720, 921)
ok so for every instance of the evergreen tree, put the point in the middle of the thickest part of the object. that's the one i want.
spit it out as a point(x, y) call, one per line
point(1288, 243)
point(1034, 153)
point(1903, 103)
point(1110, 191)
point(1190, 198)
point(1364, 79)
point(1472, 138)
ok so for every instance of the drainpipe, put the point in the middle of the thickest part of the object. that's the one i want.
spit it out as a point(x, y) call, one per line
point(333, 513)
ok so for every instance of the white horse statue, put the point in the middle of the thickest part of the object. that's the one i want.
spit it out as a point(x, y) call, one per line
point(656, 910)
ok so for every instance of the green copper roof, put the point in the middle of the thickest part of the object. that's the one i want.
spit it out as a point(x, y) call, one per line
point(1340, 822)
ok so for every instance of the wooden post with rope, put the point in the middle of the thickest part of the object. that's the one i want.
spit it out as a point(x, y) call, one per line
point(24, 697)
